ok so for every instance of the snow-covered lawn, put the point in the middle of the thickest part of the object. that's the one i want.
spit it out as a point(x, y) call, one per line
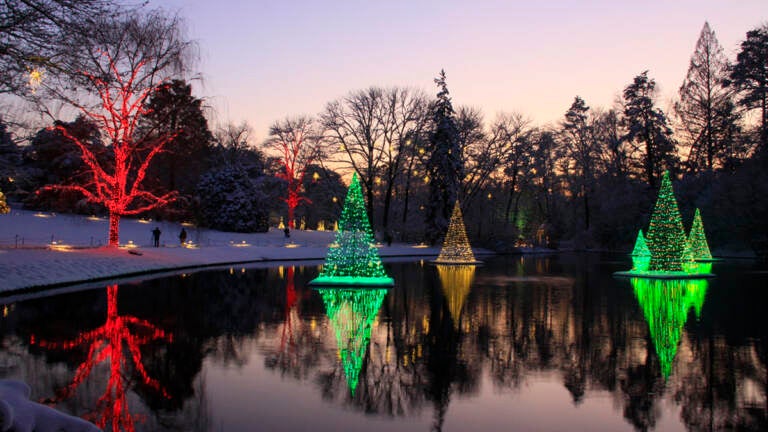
point(40, 249)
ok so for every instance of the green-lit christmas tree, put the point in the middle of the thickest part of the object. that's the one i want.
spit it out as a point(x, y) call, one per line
point(4, 209)
point(697, 239)
point(352, 312)
point(456, 248)
point(353, 258)
point(641, 255)
point(666, 236)
point(666, 305)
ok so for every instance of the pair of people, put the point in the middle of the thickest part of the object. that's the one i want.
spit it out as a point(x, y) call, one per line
point(156, 236)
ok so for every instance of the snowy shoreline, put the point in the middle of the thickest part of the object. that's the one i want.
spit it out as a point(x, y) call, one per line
point(56, 250)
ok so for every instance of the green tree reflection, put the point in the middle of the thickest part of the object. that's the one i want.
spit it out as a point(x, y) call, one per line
point(351, 312)
point(666, 304)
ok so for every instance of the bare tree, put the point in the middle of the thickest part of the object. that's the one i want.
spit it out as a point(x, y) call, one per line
point(374, 130)
point(298, 144)
point(119, 65)
point(32, 42)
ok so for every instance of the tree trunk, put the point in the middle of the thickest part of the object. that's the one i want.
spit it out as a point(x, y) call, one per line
point(114, 229)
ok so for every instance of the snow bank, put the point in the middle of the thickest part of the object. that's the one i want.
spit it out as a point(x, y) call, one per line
point(19, 414)
point(38, 262)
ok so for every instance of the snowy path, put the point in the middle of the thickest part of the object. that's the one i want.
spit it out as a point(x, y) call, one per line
point(36, 265)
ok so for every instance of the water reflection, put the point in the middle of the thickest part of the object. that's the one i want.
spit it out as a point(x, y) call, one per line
point(456, 281)
point(666, 304)
point(121, 337)
point(351, 312)
point(516, 339)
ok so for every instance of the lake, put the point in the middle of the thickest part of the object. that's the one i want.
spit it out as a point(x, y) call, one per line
point(545, 343)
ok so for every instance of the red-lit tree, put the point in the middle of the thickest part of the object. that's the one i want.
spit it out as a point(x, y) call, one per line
point(122, 62)
point(118, 336)
point(298, 143)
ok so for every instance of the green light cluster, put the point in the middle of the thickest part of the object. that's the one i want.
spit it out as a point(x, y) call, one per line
point(456, 248)
point(352, 312)
point(353, 258)
point(666, 235)
point(697, 239)
point(641, 255)
point(665, 305)
point(456, 282)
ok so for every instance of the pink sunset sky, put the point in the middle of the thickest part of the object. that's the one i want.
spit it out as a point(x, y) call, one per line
point(261, 61)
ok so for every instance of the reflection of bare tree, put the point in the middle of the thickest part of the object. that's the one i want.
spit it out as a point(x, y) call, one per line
point(120, 335)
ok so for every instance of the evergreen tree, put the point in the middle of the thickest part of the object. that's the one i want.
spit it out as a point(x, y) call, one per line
point(706, 109)
point(666, 236)
point(444, 164)
point(750, 76)
point(697, 239)
point(647, 129)
point(174, 110)
point(581, 148)
point(353, 258)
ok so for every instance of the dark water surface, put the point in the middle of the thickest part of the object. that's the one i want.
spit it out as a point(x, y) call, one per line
point(544, 343)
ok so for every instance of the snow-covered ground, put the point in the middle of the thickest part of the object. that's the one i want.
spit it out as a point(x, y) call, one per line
point(39, 249)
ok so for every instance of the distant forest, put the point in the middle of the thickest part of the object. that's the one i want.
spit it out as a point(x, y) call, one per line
point(587, 182)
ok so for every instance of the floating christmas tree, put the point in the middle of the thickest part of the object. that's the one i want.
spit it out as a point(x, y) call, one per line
point(353, 258)
point(641, 255)
point(456, 248)
point(666, 236)
point(697, 239)
point(666, 305)
point(352, 312)
point(456, 282)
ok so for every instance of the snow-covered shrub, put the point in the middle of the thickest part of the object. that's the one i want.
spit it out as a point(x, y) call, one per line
point(229, 200)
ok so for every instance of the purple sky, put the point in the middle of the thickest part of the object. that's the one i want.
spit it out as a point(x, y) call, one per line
point(264, 60)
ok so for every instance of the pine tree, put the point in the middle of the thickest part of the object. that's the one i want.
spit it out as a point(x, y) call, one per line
point(697, 239)
point(4, 209)
point(706, 108)
point(444, 163)
point(456, 248)
point(647, 128)
point(352, 313)
point(353, 258)
point(750, 76)
point(666, 236)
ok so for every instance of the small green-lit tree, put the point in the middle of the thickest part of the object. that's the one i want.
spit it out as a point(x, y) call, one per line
point(641, 255)
point(697, 239)
point(353, 258)
point(666, 235)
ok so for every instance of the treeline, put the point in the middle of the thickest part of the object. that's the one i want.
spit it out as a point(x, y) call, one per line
point(588, 181)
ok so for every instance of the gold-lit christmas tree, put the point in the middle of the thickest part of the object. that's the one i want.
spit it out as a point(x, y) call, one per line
point(456, 248)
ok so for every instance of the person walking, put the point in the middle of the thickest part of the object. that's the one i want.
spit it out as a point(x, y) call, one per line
point(183, 236)
point(156, 236)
